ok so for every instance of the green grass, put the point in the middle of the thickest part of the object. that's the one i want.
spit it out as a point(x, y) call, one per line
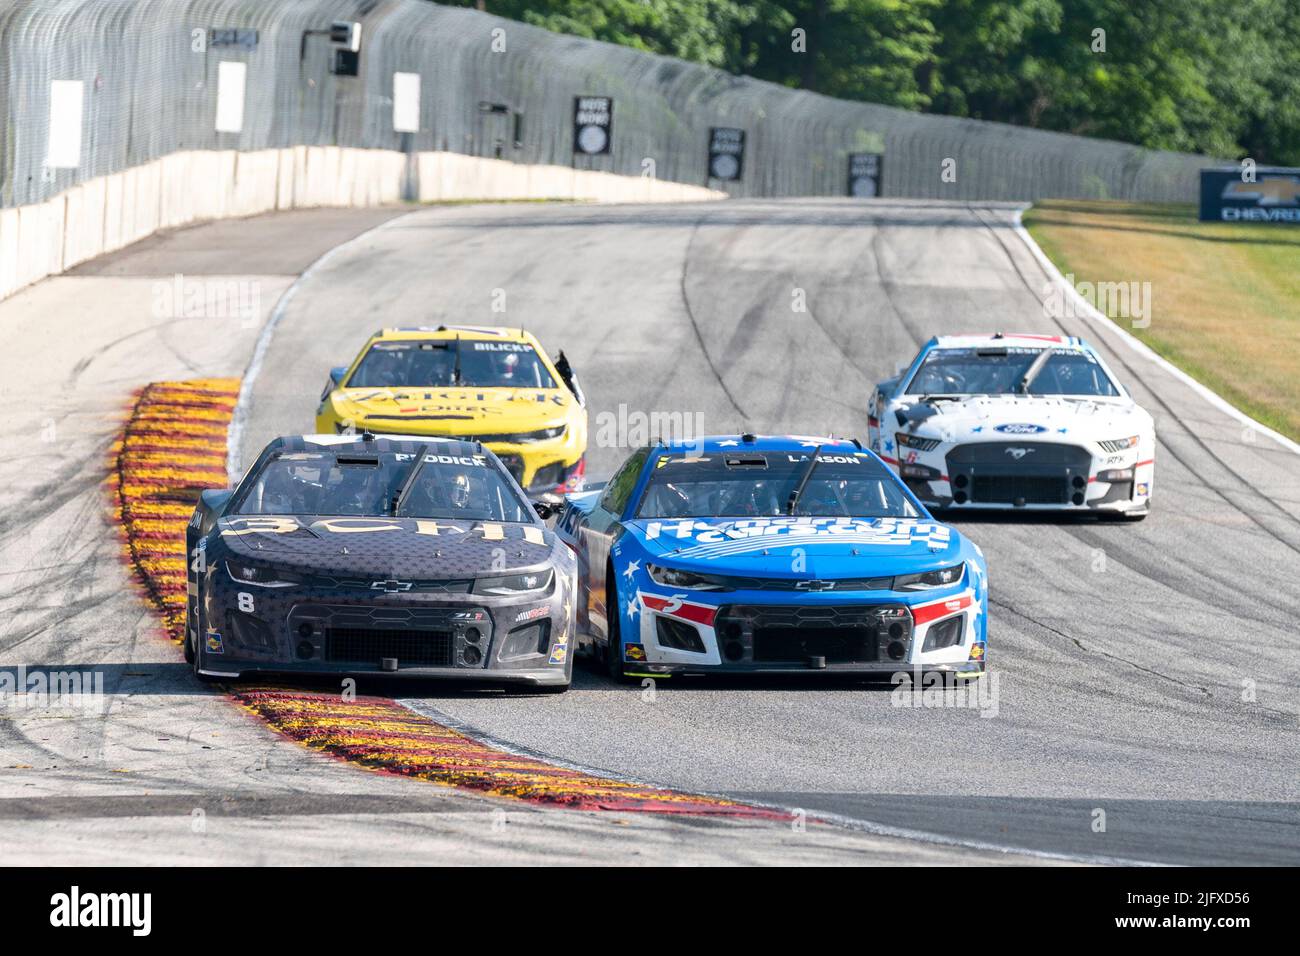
point(1225, 298)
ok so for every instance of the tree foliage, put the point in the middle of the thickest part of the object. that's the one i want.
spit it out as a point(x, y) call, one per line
point(1196, 75)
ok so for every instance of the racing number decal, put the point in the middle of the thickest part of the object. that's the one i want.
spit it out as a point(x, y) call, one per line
point(245, 602)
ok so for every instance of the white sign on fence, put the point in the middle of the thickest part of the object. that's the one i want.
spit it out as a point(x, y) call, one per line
point(406, 102)
point(230, 96)
point(64, 148)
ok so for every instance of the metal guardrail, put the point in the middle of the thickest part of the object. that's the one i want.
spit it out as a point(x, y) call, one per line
point(147, 92)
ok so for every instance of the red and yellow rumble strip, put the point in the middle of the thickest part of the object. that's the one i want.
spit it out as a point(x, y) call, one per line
point(384, 735)
point(172, 446)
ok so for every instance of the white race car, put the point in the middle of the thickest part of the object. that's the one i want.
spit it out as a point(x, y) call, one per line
point(1027, 422)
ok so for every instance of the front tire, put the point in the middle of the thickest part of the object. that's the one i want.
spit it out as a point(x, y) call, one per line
point(613, 629)
point(191, 632)
point(194, 654)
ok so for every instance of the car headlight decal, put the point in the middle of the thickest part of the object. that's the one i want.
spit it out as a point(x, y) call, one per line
point(940, 578)
point(514, 584)
point(916, 442)
point(243, 573)
point(523, 438)
point(1120, 444)
point(675, 578)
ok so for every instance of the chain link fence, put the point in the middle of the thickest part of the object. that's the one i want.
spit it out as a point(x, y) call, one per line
point(490, 87)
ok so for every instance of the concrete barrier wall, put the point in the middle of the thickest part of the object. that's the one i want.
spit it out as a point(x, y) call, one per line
point(109, 212)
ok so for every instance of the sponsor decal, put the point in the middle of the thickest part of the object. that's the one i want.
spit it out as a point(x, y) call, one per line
point(1019, 428)
point(675, 606)
point(558, 653)
point(926, 613)
point(714, 539)
point(828, 459)
point(214, 643)
point(1143, 489)
point(501, 347)
point(532, 614)
point(633, 652)
point(977, 651)
point(1236, 194)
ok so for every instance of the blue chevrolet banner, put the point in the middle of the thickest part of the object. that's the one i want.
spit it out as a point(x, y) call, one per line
point(1256, 194)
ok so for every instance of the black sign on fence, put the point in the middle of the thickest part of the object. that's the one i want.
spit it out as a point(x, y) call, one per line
point(1255, 194)
point(593, 124)
point(726, 153)
point(864, 174)
point(238, 37)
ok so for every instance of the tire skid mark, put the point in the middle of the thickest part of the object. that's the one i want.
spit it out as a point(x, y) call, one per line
point(172, 446)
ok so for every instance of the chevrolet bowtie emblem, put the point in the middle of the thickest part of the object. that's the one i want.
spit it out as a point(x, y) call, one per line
point(390, 586)
point(1268, 191)
point(815, 585)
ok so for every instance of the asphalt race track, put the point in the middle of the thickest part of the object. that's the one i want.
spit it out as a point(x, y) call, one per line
point(1144, 674)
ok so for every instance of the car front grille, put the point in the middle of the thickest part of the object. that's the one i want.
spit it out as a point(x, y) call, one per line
point(1019, 473)
point(411, 648)
point(791, 633)
point(1031, 489)
point(839, 645)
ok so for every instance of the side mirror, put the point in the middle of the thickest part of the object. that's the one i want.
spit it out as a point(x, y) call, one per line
point(545, 509)
point(570, 377)
point(915, 413)
point(213, 500)
point(336, 379)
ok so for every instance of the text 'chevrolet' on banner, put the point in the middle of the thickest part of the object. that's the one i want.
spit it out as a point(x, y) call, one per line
point(864, 174)
point(593, 121)
point(726, 153)
point(1250, 194)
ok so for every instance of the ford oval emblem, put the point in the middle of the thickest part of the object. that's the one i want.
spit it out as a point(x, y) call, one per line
point(1019, 428)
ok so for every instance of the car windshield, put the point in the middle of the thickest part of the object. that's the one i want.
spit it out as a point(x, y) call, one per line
point(444, 363)
point(840, 484)
point(465, 487)
point(1000, 371)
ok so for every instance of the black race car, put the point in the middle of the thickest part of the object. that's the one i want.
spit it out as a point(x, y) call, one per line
point(389, 556)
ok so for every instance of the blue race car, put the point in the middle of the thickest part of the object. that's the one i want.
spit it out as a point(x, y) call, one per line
point(771, 554)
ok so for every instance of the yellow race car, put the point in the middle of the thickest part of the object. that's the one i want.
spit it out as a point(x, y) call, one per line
point(472, 382)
